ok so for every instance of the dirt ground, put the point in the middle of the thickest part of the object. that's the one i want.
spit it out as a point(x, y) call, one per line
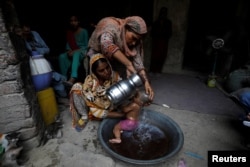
point(202, 132)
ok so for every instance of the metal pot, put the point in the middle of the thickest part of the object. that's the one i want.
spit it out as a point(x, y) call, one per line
point(123, 89)
point(143, 96)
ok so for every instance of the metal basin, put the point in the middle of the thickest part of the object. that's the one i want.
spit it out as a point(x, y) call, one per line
point(156, 139)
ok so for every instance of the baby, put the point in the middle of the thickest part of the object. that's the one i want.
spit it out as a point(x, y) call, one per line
point(132, 111)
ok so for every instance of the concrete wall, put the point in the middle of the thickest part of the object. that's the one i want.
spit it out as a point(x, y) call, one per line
point(178, 14)
point(19, 109)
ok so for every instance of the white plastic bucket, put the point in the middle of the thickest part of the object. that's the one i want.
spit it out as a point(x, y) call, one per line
point(41, 72)
point(39, 65)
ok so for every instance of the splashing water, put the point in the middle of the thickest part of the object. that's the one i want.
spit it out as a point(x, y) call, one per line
point(145, 142)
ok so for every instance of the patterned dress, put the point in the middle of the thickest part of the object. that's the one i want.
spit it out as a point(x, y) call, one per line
point(88, 99)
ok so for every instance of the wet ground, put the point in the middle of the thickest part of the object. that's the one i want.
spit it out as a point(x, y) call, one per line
point(203, 132)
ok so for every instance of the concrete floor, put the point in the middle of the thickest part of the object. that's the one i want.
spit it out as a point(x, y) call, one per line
point(202, 131)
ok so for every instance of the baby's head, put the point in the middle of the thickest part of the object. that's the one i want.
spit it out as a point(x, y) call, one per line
point(141, 97)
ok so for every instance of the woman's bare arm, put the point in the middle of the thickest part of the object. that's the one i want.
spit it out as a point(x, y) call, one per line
point(118, 55)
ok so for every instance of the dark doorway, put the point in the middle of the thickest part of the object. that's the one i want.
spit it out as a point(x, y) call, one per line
point(213, 18)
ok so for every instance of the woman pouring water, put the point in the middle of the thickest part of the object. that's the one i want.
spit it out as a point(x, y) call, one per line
point(120, 40)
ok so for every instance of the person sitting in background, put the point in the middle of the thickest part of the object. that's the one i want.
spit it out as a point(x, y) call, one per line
point(88, 99)
point(242, 97)
point(76, 46)
point(34, 42)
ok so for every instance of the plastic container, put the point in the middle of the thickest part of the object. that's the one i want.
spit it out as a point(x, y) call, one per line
point(42, 81)
point(39, 65)
point(211, 82)
point(48, 105)
point(41, 72)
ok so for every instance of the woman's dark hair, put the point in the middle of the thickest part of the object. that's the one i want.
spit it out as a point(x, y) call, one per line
point(96, 64)
point(131, 30)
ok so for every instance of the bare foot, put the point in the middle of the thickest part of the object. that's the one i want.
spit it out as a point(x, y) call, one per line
point(115, 140)
point(81, 125)
point(248, 116)
point(72, 80)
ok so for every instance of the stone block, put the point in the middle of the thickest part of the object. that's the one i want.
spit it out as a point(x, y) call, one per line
point(17, 125)
point(14, 113)
point(9, 100)
point(10, 87)
point(11, 73)
point(28, 133)
point(30, 144)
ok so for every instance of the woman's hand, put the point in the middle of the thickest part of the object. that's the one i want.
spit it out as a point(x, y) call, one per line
point(149, 90)
point(147, 85)
point(70, 53)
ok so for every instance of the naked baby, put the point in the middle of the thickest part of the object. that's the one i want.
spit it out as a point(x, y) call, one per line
point(132, 111)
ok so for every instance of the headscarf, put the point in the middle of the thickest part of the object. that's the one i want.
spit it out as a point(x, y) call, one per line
point(93, 93)
point(94, 58)
point(116, 27)
point(137, 24)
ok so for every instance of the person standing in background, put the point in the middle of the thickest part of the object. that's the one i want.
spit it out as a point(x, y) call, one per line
point(161, 33)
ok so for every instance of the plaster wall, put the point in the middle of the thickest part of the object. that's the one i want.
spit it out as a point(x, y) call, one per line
point(178, 14)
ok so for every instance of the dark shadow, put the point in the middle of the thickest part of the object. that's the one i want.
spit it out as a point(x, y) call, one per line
point(214, 18)
point(50, 18)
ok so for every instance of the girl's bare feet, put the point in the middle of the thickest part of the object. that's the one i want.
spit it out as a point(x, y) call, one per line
point(247, 122)
point(248, 116)
point(70, 82)
point(115, 140)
